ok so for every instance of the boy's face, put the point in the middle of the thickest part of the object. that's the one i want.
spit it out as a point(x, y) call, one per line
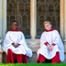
point(47, 25)
point(14, 26)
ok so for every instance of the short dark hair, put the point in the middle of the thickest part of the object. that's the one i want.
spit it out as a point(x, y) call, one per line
point(48, 21)
point(51, 22)
point(13, 22)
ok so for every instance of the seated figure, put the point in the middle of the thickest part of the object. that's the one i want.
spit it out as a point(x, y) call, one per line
point(51, 45)
point(15, 46)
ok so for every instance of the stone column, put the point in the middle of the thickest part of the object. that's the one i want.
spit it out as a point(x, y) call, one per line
point(4, 6)
point(0, 19)
point(33, 43)
point(62, 18)
point(33, 18)
point(1, 29)
point(65, 24)
point(3, 20)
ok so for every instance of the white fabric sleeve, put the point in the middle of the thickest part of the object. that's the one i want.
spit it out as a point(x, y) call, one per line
point(59, 42)
point(23, 42)
point(7, 42)
point(42, 40)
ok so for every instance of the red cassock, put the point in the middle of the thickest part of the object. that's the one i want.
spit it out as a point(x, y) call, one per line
point(20, 58)
point(20, 53)
point(55, 59)
point(50, 38)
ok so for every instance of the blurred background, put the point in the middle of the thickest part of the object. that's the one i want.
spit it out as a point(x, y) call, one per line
point(30, 15)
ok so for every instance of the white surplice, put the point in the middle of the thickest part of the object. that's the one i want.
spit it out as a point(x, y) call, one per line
point(16, 37)
point(51, 37)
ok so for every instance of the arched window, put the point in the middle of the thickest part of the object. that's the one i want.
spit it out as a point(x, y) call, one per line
point(20, 11)
point(47, 9)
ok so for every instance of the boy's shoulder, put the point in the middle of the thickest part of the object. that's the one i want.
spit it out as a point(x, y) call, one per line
point(56, 31)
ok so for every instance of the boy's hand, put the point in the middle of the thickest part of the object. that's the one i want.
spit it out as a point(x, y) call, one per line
point(15, 45)
point(50, 47)
point(46, 43)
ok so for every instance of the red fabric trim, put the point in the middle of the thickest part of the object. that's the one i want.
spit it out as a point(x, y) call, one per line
point(41, 59)
point(49, 30)
point(56, 59)
point(25, 58)
point(11, 57)
point(17, 29)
